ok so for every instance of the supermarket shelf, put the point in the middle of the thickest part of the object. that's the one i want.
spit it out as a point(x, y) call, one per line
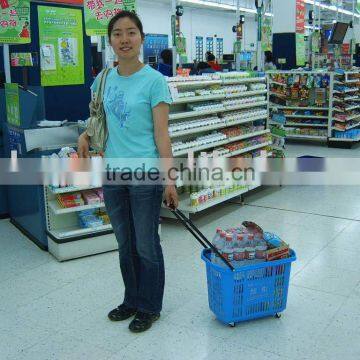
point(70, 189)
point(277, 83)
point(246, 136)
point(305, 116)
point(243, 81)
point(190, 114)
point(347, 128)
point(195, 113)
point(220, 143)
point(198, 130)
point(350, 108)
point(244, 121)
point(298, 107)
point(74, 231)
point(184, 203)
point(284, 97)
point(250, 148)
point(55, 207)
point(276, 147)
point(309, 137)
point(245, 106)
point(202, 147)
point(344, 139)
point(354, 117)
point(278, 136)
point(195, 83)
point(218, 97)
point(305, 125)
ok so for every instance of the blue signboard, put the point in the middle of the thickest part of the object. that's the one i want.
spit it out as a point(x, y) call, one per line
point(199, 51)
point(154, 44)
point(210, 44)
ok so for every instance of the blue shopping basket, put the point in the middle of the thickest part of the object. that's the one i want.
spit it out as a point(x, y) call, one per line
point(245, 293)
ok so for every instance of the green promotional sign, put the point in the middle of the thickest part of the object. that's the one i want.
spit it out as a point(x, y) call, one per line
point(12, 104)
point(266, 38)
point(181, 46)
point(300, 50)
point(15, 22)
point(99, 12)
point(237, 47)
point(61, 46)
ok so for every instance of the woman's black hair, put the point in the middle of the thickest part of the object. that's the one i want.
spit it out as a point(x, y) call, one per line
point(125, 14)
point(166, 55)
point(268, 57)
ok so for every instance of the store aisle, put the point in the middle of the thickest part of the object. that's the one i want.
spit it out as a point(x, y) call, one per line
point(52, 310)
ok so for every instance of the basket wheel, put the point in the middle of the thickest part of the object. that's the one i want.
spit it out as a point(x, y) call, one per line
point(232, 324)
point(278, 315)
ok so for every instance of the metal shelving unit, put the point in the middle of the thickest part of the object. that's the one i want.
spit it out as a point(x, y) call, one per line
point(179, 112)
point(346, 111)
point(308, 116)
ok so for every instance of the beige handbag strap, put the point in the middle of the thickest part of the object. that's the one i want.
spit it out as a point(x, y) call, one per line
point(101, 88)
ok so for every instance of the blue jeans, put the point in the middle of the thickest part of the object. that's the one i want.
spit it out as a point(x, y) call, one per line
point(134, 214)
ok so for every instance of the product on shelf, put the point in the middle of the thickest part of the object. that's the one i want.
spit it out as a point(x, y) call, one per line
point(349, 134)
point(70, 200)
point(306, 131)
point(90, 197)
point(89, 219)
point(192, 124)
point(244, 100)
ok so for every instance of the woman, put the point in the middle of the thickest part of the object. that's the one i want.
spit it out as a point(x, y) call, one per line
point(269, 61)
point(136, 102)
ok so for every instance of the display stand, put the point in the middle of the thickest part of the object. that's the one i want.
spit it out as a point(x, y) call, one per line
point(226, 113)
point(305, 100)
point(345, 124)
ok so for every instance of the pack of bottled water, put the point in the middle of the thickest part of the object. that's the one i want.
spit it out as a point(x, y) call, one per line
point(240, 246)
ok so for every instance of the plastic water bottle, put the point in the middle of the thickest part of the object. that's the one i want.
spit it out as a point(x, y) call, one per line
point(228, 251)
point(250, 247)
point(239, 249)
point(219, 243)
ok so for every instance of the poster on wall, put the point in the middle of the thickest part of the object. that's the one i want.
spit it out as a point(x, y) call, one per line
point(61, 46)
point(154, 44)
point(12, 104)
point(300, 16)
point(199, 48)
point(99, 12)
point(219, 48)
point(15, 22)
point(300, 50)
point(21, 59)
point(210, 44)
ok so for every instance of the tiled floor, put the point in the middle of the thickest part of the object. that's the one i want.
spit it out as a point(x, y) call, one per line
point(51, 310)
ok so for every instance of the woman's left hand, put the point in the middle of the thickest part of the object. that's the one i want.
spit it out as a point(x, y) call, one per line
point(171, 197)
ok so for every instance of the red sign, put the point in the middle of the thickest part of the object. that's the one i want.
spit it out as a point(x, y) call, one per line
point(300, 16)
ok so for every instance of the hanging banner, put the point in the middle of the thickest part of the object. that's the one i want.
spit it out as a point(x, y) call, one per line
point(12, 104)
point(61, 46)
point(300, 16)
point(300, 50)
point(181, 45)
point(15, 21)
point(99, 12)
point(266, 35)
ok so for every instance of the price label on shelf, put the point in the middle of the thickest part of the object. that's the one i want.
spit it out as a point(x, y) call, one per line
point(174, 92)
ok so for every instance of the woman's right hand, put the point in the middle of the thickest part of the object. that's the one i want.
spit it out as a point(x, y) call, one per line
point(83, 146)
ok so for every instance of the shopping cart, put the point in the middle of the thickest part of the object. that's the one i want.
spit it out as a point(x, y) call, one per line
point(244, 293)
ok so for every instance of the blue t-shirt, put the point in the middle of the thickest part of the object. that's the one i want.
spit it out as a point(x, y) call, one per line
point(128, 104)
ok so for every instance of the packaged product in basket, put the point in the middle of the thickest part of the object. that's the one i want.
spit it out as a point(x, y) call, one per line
point(277, 248)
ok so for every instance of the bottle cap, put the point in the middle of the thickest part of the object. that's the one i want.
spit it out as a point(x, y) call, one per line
point(240, 237)
point(223, 234)
point(228, 237)
point(251, 236)
point(218, 230)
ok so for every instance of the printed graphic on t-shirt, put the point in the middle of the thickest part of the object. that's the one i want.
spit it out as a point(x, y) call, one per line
point(115, 103)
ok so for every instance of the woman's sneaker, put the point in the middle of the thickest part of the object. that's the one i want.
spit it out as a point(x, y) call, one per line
point(122, 312)
point(142, 321)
